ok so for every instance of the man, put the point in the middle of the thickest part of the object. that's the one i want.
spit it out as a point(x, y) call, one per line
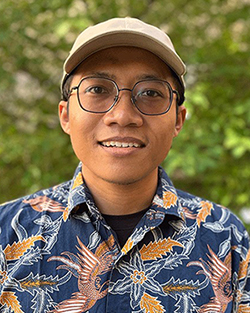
point(119, 237)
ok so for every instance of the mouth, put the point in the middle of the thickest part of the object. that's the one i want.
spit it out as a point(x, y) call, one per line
point(118, 144)
point(122, 143)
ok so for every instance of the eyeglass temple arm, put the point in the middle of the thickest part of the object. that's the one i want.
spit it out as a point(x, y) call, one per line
point(177, 96)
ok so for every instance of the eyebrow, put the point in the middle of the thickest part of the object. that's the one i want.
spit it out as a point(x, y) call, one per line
point(103, 75)
point(148, 76)
point(138, 78)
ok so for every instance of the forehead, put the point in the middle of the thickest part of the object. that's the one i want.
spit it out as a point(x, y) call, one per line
point(119, 60)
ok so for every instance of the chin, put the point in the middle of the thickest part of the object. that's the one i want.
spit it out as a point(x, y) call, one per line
point(121, 182)
point(125, 177)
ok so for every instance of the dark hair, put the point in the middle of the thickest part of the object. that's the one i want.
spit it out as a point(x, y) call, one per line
point(66, 87)
point(178, 85)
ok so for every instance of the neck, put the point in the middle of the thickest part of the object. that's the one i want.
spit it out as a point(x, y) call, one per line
point(121, 199)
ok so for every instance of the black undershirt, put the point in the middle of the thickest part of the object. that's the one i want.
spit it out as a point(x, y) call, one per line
point(123, 225)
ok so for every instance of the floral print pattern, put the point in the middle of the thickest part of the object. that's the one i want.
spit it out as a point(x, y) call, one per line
point(57, 254)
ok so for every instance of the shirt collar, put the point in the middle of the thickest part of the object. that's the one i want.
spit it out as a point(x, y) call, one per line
point(165, 200)
point(78, 192)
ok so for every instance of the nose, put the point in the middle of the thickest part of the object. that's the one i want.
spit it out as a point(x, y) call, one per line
point(124, 113)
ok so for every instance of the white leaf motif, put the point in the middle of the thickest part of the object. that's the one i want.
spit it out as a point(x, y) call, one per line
point(93, 240)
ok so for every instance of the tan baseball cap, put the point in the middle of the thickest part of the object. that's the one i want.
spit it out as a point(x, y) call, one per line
point(123, 32)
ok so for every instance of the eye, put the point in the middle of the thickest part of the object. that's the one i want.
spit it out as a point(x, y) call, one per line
point(96, 90)
point(151, 93)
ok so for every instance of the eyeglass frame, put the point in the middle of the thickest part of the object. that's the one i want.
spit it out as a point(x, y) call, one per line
point(133, 100)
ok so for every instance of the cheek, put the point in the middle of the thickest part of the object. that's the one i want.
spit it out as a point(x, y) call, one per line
point(164, 134)
point(81, 134)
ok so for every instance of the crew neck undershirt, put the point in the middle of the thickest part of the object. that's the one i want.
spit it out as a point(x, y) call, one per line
point(123, 225)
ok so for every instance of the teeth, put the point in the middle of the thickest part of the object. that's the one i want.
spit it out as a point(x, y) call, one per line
point(120, 144)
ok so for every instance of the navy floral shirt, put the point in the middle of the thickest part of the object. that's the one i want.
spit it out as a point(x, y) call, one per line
point(57, 254)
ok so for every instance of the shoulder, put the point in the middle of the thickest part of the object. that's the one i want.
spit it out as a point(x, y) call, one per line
point(219, 237)
point(37, 200)
point(211, 217)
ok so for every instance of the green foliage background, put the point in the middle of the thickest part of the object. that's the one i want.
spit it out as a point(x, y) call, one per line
point(211, 156)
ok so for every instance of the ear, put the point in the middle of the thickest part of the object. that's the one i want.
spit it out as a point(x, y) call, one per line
point(181, 116)
point(64, 116)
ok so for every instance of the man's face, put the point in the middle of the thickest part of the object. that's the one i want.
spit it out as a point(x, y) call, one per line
point(149, 137)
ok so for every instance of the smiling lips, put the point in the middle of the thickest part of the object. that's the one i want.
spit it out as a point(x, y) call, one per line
point(123, 143)
point(120, 144)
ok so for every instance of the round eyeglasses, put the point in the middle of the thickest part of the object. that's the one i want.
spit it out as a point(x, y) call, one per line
point(100, 95)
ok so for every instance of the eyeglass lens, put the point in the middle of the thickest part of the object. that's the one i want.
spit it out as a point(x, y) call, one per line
point(149, 96)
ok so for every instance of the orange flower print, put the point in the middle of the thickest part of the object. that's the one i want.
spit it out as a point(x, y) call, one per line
point(3, 277)
point(78, 181)
point(205, 210)
point(138, 277)
point(128, 246)
point(11, 302)
point(17, 249)
point(157, 249)
point(150, 304)
point(169, 199)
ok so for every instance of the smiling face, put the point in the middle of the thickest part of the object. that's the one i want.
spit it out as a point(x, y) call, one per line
point(121, 146)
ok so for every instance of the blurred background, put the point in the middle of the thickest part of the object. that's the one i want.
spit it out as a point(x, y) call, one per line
point(211, 156)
